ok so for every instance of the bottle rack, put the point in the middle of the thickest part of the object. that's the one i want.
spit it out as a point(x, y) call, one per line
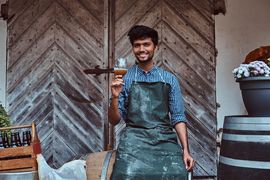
point(23, 158)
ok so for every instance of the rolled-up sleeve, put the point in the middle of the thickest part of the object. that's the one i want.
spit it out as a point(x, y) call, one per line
point(176, 105)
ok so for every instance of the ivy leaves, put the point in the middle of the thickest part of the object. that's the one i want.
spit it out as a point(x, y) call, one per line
point(4, 119)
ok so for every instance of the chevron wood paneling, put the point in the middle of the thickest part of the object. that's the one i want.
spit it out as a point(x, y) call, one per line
point(50, 43)
point(187, 49)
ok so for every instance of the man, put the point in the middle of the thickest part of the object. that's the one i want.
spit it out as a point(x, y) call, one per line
point(150, 101)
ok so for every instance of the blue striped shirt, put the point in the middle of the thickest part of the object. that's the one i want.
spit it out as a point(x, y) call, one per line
point(176, 106)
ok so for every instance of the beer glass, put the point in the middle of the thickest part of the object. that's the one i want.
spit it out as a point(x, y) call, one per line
point(120, 67)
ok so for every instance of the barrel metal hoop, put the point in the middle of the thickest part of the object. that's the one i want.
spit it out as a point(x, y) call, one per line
point(244, 163)
point(248, 127)
point(247, 120)
point(106, 165)
point(246, 138)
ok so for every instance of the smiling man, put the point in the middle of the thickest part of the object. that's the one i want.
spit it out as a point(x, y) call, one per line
point(149, 99)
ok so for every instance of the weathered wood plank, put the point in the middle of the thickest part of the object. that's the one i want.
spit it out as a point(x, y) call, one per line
point(95, 7)
point(26, 106)
point(31, 55)
point(25, 20)
point(29, 37)
point(183, 29)
point(61, 153)
point(69, 131)
point(191, 82)
point(203, 69)
point(87, 42)
point(206, 162)
point(16, 8)
point(46, 146)
point(206, 8)
point(132, 16)
point(121, 6)
point(85, 18)
point(205, 165)
point(45, 125)
point(41, 77)
point(202, 115)
point(194, 18)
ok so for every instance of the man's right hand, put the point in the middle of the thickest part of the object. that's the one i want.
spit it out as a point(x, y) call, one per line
point(117, 85)
point(116, 88)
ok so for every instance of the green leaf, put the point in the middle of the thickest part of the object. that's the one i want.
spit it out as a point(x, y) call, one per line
point(4, 119)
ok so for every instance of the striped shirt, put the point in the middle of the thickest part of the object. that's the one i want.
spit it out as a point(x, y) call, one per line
point(176, 106)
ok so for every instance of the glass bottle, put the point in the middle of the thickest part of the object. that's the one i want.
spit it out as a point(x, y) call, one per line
point(13, 140)
point(1, 141)
point(18, 139)
point(5, 140)
point(29, 137)
point(25, 142)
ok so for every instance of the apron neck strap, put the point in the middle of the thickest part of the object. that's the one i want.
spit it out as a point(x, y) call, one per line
point(136, 72)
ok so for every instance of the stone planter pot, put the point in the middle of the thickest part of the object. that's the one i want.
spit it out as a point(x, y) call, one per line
point(256, 95)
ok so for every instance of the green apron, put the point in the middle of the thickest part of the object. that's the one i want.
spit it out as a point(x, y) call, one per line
point(148, 148)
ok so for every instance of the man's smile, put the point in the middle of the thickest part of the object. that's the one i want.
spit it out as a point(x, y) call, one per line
point(143, 56)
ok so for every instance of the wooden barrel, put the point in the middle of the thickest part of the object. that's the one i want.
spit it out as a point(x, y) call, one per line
point(245, 146)
point(99, 165)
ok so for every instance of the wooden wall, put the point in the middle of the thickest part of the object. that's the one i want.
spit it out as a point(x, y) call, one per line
point(50, 43)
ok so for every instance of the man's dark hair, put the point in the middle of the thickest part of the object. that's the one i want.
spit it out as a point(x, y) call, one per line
point(142, 32)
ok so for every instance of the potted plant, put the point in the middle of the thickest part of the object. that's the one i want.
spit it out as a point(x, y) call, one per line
point(254, 82)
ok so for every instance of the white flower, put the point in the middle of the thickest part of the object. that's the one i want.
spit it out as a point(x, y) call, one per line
point(238, 75)
point(261, 71)
point(255, 72)
point(235, 70)
point(255, 68)
point(246, 74)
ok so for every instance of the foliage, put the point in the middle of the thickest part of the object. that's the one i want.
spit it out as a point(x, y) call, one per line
point(4, 119)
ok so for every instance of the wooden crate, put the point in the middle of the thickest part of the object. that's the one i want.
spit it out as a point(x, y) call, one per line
point(23, 158)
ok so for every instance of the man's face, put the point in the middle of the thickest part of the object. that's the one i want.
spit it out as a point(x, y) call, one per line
point(144, 49)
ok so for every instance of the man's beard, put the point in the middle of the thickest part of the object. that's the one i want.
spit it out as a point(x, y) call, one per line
point(149, 59)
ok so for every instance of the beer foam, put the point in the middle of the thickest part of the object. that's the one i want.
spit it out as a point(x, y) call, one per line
point(122, 62)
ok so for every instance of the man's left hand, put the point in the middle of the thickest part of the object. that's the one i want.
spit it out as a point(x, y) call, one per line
point(189, 161)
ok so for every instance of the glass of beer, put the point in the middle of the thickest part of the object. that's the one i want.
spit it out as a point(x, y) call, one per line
point(120, 67)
